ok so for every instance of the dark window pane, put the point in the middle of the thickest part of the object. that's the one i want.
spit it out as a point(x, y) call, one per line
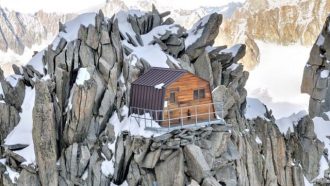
point(201, 93)
point(195, 94)
point(172, 97)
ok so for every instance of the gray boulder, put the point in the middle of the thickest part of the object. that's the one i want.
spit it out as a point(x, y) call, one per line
point(171, 171)
point(209, 33)
point(197, 166)
point(44, 135)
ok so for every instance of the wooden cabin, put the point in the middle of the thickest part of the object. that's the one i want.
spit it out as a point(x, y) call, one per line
point(172, 97)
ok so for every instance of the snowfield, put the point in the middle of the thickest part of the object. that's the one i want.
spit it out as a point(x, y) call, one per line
point(276, 80)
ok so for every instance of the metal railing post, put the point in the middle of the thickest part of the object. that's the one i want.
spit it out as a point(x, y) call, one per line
point(181, 117)
point(145, 118)
point(209, 114)
point(169, 119)
point(196, 115)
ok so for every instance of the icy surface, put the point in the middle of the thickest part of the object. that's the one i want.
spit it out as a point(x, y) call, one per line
point(83, 75)
point(277, 79)
point(286, 123)
point(22, 133)
point(254, 109)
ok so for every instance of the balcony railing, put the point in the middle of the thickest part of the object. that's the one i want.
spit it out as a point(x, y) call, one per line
point(181, 117)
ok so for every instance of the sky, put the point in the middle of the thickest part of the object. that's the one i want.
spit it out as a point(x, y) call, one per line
point(70, 6)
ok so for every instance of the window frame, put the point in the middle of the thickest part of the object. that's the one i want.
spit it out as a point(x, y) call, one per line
point(199, 94)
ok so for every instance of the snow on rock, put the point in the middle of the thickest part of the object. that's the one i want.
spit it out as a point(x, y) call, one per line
point(22, 133)
point(233, 50)
point(13, 175)
point(320, 40)
point(258, 140)
point(324, 73)
point(13, 79)
point(107, 167)
point(152, 53)
point(254, 109)
point(36, 62)
point(322, 130)
point(1, 90)
point(159, 86)
point(158, 32)
point(286, 123)
point(233, 66)
point(124, 26)
point(83, 75)
point(132, 125)
point(196, 31)
point(72, 28)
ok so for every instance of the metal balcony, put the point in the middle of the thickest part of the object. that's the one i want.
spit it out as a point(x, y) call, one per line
point(162, 120)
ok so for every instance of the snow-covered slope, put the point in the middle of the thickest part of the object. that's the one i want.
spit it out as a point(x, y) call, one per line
point(276, 80)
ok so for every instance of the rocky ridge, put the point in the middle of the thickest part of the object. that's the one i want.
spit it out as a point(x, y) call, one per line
point(316, 74)
point(76, 95)
point(20, 31)
point(278, 22)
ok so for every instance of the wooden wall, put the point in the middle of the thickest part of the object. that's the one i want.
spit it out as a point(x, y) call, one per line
point(184, 90)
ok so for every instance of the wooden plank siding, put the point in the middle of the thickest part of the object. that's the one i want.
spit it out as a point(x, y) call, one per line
point(185, 103)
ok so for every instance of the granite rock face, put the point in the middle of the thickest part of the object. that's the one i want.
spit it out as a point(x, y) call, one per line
point(82, 92)
point(316, 74)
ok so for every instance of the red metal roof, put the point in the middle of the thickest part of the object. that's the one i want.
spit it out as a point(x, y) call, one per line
point(155, 76)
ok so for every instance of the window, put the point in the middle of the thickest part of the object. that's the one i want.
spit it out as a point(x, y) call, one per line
point(172, 97)
point(199, 94)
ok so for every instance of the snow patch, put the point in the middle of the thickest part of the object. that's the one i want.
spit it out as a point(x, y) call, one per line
point(1, 91)
point(196, 31)
point(320, 40)
point(13, 175)
point(132, 125)
point(233, 50)
point(72, 28)
point(258, 140)
point(276, 86)
point(22, 133)
point(13, 79)
point(321, 129)
point(233, 67)
point(36, 62)
point(286, 123)
point(159, 86)
point(107, 167)
point(83, 75)
point(324, 74)
point(254, 109)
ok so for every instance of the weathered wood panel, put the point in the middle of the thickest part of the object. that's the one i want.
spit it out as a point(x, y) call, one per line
point(185, 104)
